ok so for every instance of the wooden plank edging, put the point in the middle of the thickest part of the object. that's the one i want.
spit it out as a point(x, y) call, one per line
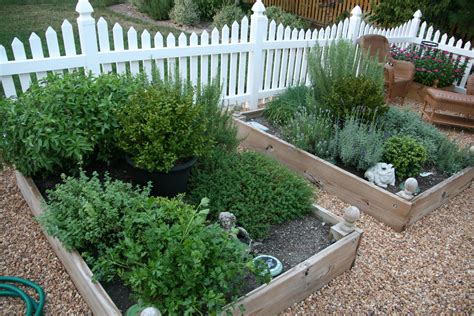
point(290, 287)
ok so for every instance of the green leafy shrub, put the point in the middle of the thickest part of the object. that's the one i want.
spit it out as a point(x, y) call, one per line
point(86, 214)
point(444, 154)
point(333, 66)
point(286, 18)
point(282, 109)
point(257, 189)
point(220, 128)
point(156, 9)
point(451, 159)
point(432, 65)
point(360, 145)
point(406, 155)
point(361, 94)
point(173, 259)
point(208, 8)
point(314, 133)
point(61, 121)
point(161, 125)
point(227, 15)
point(185, 12)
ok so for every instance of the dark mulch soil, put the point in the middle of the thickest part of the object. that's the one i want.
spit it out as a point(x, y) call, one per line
point(291, 242)
point(424, 183)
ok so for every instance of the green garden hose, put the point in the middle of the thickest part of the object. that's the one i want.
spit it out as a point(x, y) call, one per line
point(32, 307)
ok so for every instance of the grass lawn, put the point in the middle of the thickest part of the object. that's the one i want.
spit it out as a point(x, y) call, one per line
point(19, 18)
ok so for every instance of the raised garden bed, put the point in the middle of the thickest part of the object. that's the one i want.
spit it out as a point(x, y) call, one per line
point(385, 206)
point(288, 288)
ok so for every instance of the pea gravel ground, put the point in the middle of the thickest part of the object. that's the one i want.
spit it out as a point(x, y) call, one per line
point(424, 270)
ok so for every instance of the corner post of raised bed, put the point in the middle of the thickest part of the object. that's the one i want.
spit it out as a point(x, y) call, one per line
point(88, 36)
point(354, 23)
point(258, 33)
point(344, 228)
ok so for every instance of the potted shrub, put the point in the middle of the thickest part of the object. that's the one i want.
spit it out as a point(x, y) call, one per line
point(162, 131)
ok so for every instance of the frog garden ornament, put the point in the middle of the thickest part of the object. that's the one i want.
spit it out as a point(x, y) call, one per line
point(381, 174)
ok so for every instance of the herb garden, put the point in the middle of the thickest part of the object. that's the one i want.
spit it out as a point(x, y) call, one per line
point(182, 178)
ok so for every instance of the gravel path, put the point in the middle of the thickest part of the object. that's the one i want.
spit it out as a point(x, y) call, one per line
point(26, 253)
point(426, 269)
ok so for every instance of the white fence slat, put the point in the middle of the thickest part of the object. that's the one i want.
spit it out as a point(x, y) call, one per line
point(367, 29)
point(133, 45)
point(104, 43)
point(53, 45)
point(421, 34)
point(277, 62)
point(234, 39)
point(193, 65)
point(159, 63)
point(436, 36)
point(291, 62)
point(225, 61)
point(118, 46)
point(6, 81)
point(444, 38)
point(37, 52)
point(451, 41)
point(345, 28)
point(270, 54)
point(215, 57)
point(327, 33)
point(244, 33)
point(68, 39)
point(171, 42)
point(429, 33)
point(340, 25)
point(299, 56)
point(205, 60)
point(183, 61)
point(19, 54)
point(146, 44)
point(284, 60)
point(333, 31)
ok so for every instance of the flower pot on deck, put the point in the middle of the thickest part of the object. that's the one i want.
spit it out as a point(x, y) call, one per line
point(167, 184)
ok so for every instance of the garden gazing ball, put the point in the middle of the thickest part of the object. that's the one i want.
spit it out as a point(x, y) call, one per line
point(411, 185)
point(150, 311)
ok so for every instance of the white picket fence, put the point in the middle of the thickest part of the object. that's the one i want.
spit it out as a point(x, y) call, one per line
point(253, 61)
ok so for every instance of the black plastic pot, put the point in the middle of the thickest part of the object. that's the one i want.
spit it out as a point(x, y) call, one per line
point(167, 184)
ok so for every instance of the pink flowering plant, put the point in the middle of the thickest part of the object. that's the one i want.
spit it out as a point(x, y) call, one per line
point(432, 64)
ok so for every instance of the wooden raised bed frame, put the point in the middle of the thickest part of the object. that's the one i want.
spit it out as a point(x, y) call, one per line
point(385, 206)
point(292, 286)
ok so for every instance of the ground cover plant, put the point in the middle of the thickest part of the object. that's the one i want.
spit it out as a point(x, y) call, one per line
point(257, 189)
point(432, 66)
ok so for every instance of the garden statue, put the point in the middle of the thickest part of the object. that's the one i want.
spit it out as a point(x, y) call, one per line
point(227, 222)
point(381, 174)
point(411, 185)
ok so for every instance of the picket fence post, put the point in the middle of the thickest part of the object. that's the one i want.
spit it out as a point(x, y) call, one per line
point(354, 24)
point(88, 36)
point(415, 24)
point(258, 33)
